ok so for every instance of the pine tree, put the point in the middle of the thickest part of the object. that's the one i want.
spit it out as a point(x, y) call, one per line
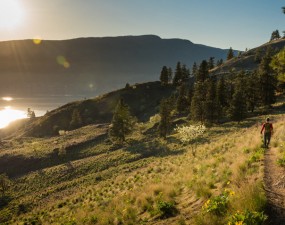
point(177, 80)
point(230, 54)
point(278, 65)
point(275, 35)
point(165, 118)
point(210, 106)
point(258, 56)
point(182, 103)
point(222, 92)
point(164, 76)
point(211, 63)
point(194, 69)
point(76, 120)
point(197, 112)
point(268, 81)
point(185, 73)
point(202, 73)
point(122, 122)
point(252, 90)
point(238, 105)
point(170, 73)
point(220, 62)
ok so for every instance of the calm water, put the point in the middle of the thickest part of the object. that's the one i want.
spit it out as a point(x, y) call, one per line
point(12, 108)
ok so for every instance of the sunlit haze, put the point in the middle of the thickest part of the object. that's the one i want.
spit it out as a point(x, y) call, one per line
point(224, 23)
point(7, 115)
point(11, 14)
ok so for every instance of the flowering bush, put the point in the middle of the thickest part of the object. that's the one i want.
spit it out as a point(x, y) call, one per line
point(247, 218)
point(218, 205)
point(188, 133)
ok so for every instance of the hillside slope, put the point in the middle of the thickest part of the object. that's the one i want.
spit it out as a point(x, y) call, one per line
point(246, 61)
point(83, 178)
point(91, 66)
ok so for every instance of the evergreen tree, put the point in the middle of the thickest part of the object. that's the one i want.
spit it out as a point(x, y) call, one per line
point(211, 63)
point(268, 81)
point(182, 103)
point(122, 122)
point(177, 80)
point(230, 54)
point(164, 76)
point(76, 120)
point(238, 105)
point(275, 35)
point(283, 9)
point(194, 69)
point(252, 90)
point(170, 73)
point(203, 72)
point(210, 106)
point(197, 112)
point(222, 92)
point(31, 113)
point(165, 118)
point(220, 62)
point(185, 73)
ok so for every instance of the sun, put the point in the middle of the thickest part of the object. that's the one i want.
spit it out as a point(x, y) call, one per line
point(9, 115)
point(11, 14)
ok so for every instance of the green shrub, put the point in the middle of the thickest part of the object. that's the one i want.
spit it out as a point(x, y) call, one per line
point(166, 209)
point(248, 218)
point(218, 205)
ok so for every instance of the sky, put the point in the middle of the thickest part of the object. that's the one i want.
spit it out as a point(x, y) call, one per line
point(239, 24)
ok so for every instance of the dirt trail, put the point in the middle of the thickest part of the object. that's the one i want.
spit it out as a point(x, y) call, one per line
point(274, 180)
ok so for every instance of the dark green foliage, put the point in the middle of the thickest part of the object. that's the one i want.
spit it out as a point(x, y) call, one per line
point(122, 122)
point(182, 103)
point(220, 62)
point(278, 65)
point(202, 73)
point(238, 107)
point(230, 54)
point(166, 209)
point(178, 76)
point(194, 69)
point(222, 92)
point(165, 117)
point(252, 90)
point(76, 120)
point(185, 73)
point(197, 112)
point(275, 35)
point(210, 106)
point(164, 76)
point(268, 81)
point(170, 73)
point(211, 63)
point(283, 9)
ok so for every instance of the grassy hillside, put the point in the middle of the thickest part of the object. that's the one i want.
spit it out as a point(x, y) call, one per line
point(81, 177)
point(143, 100)
point(246, 61)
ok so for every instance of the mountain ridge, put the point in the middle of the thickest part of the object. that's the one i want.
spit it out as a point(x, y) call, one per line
point(91, 66)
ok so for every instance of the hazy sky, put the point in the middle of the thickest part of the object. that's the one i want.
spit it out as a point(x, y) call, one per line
point(222, 23)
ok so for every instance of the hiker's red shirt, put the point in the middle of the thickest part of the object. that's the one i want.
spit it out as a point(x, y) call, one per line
point(263, 127)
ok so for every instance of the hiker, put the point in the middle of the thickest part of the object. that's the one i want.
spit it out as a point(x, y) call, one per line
point(268, 129)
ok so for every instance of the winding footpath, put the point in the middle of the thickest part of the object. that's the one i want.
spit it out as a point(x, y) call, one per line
point(274, 179)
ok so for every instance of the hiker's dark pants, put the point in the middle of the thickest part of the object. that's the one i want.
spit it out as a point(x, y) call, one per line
point(267, 137)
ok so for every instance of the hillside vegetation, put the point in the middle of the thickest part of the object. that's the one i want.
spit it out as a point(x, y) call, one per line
point(81, 177)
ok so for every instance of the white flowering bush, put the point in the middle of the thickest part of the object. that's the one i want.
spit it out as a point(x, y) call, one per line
point(188, 134)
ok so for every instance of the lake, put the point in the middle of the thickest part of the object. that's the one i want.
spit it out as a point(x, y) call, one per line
point(12, 108)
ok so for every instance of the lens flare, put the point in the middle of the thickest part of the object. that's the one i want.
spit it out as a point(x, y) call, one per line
point(7, 99)
point(37, 40)
point(61, 60)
